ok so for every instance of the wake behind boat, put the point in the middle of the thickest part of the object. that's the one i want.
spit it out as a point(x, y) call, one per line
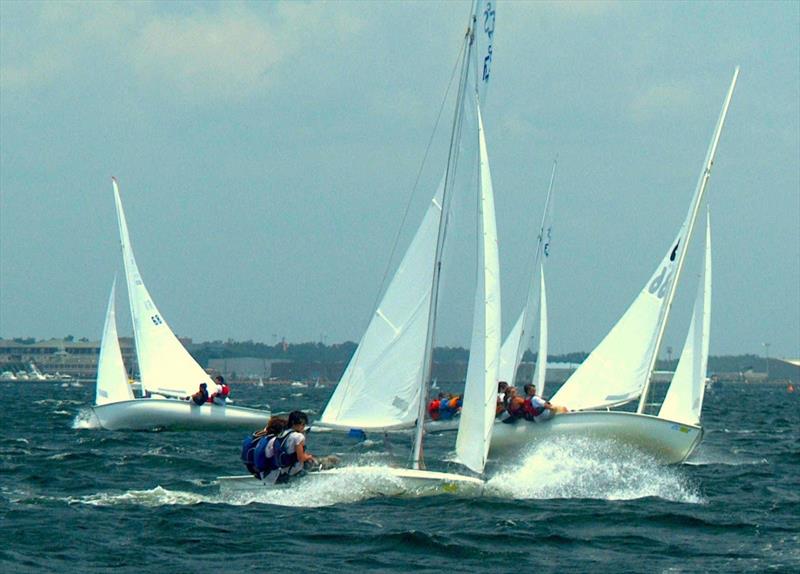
point(168, 372)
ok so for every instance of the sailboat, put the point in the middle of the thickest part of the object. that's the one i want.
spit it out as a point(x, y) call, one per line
point(618, 371)
point(168, 372)
point(384, 387)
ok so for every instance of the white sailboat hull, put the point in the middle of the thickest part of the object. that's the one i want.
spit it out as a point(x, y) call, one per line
point(667, 441)
point(174, 414)
point(375, 480)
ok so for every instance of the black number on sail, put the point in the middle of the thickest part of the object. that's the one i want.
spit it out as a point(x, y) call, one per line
point(156, 320)
point(658, 286)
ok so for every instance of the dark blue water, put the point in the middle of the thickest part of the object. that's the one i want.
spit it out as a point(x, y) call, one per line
point(86, 500)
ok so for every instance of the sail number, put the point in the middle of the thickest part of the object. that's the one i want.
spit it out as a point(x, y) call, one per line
point(658, 286)
point(488, 27)
point(156, 320)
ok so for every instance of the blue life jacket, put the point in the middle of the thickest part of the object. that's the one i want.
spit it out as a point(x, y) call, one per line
point(249, 446)
point(261, 461)
point(280, 457)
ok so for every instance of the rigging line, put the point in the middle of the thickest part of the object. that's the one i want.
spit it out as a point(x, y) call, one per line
point(416, 182)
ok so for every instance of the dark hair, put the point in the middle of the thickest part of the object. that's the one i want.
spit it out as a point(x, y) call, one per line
point(203, 385)
point(276, 425)
point(220, 378)
point(297, 417)
point(501, 386)
point(528, 387)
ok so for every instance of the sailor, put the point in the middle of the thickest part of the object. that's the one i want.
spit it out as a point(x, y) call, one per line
point(200, 397)
point(538, 409)
point(255, 455)
point(515, 405)
point(435, 406)
point(221, 391)
point(288, 453)
point(501, 396)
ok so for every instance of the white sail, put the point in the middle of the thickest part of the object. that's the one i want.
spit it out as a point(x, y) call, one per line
point(112, 378)
point(480, 391)
point(684, 400)
point(540, 373)
point(619, 368)
point(687, 230)
point(518, 340)
point(165, 366)
point(615, 371)
point(380, 387)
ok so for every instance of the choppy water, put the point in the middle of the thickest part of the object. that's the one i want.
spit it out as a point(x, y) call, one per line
point(86, 500)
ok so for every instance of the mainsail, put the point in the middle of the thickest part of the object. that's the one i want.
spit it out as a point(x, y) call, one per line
point(478, 410)
point(684, 400)
point(112, 378)
point(165, 366)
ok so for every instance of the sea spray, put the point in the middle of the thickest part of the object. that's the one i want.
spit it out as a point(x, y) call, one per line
point(588, 468)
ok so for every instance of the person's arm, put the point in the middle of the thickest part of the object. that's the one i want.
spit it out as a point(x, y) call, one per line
point(302, 455)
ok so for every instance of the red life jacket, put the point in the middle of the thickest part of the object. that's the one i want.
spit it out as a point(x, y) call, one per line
point(530, 410)
point(433, 408)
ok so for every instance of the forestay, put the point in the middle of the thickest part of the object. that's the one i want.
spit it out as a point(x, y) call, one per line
point(478, 409)
point(112, 378)
point(380, 387)
point(684, 400)
point(165, 366)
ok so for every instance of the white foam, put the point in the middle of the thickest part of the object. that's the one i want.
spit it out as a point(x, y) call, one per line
point(582, 468)
point(86, 419)
point(157, 496)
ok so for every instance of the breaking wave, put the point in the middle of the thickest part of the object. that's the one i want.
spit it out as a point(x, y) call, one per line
point(85, 419)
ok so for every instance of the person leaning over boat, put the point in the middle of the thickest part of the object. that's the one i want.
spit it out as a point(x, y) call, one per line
point(221, 392)
point(200, 397)
point(538, 409)
point(501, 398)
point(289, 455)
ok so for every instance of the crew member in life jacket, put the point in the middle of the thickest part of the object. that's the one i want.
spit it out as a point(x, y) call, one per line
point(501, 398)
point(435, 405)
point(221, 392)
point(200, 397)
point(515, 405)
point(255, 454)
point(538, 409)
point(289, 454)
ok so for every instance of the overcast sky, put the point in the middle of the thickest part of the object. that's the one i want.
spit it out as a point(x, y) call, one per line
point(266, 153)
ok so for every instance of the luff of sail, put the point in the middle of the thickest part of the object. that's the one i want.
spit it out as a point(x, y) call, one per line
point(380, 387)
point(165, 366)
point(112, 378)
point(478, 409)
point(684, 400)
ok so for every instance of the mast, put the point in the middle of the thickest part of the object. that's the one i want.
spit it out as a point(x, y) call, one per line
point(689, 225)
point(452, 161)
point(541, 247)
